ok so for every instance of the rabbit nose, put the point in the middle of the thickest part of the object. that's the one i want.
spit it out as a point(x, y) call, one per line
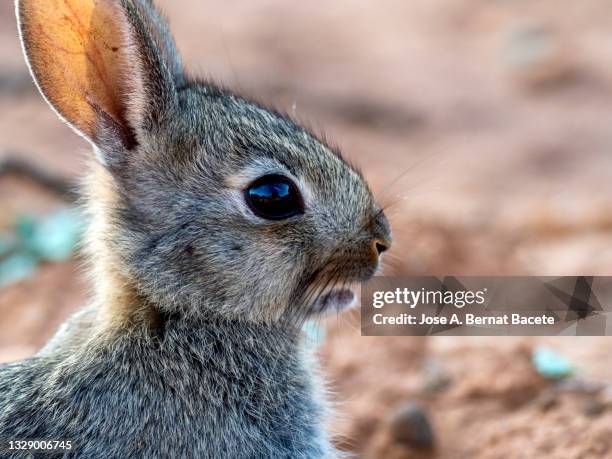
point(381, 240)
point(381, 246)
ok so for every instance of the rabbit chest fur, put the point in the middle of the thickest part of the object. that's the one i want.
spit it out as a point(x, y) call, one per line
point(218, 389)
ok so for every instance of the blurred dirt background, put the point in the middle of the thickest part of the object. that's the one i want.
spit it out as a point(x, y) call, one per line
point(484, 125)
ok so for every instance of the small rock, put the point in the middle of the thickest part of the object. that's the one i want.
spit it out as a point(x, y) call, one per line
point(547, 400)
point(435, 378)
point(538, 56)
point(580, 386)
point(593, 408)
point(411, 426)
point(551, 364)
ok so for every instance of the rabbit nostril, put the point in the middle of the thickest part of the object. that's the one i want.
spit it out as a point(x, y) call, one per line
point(380, 246)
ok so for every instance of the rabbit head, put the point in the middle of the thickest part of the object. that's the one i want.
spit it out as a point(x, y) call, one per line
point(209, 203)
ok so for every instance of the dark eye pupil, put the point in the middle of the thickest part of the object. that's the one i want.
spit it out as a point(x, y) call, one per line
point(274, 197)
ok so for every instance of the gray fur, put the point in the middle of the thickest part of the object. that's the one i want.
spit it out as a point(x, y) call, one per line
point(222, 372)
point(203, 389)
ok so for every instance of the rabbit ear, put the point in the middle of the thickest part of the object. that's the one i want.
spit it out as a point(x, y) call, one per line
point(157, 25)
point(108, 67)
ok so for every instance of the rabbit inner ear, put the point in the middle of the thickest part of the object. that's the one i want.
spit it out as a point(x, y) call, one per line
point(80, 55)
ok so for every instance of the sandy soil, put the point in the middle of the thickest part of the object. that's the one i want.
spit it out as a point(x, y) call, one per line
point(484, 125)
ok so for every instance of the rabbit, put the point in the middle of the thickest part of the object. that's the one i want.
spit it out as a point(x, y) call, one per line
point(216, 228)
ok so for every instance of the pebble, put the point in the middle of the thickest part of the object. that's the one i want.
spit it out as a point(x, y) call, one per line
point(538, 57)
point(580, 386)
point(593, 408)
point(435, 379)
point(547, 400)
point(411, 426)
point(551, 364)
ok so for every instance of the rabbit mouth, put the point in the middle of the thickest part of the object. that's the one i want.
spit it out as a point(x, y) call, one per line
point(336, 300)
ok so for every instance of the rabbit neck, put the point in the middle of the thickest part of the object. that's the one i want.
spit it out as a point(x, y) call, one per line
point(118, 303)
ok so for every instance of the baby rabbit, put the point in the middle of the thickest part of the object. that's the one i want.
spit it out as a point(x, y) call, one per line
point(217, 227)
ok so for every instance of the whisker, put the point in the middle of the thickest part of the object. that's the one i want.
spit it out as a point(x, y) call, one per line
point(389, 185)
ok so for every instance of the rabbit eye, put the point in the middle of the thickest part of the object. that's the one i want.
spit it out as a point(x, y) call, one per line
point(274, 197)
